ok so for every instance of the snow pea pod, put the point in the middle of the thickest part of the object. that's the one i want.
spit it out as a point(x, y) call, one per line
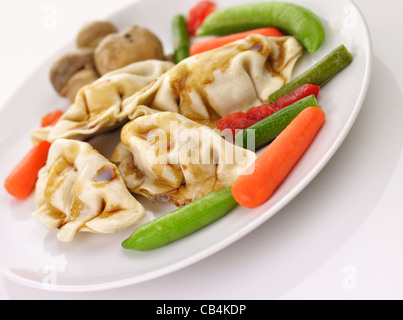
point(181, 222)
point(320, 73)
point(298, 21)
point(181, 38)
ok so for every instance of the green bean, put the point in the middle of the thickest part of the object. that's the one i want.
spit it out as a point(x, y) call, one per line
point(269, 128)
point(181, 222)
point(298, 21)
point(181, 38)
point(320, 73)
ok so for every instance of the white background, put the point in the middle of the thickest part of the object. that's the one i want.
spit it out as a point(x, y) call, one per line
point(356, 202)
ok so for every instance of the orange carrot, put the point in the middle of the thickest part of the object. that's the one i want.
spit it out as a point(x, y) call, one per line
point(20, 183)
point(51, 118)
point(213, 43)
point(276, 162)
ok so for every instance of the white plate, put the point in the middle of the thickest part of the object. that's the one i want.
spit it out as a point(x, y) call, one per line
point(31, 255)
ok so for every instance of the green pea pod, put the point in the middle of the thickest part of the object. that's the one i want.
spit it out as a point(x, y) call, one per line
point(181, 222)
point(319, 74)
point(181, 38)
point(298, 21)
point(269, 128)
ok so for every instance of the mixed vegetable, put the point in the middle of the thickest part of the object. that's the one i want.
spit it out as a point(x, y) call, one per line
point(51, 118)
point(269, 128)
point(243, 120)
point(290, 18)
point(198, 14)
point(287, 125)
point(214, 43)
point(182, 222)
point(20, 183)
point(273, 166)
point(181, 38)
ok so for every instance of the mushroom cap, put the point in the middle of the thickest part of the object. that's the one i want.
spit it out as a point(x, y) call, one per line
point(68, 65)
point(72, 71)
point(121, 49)
point(92, 33)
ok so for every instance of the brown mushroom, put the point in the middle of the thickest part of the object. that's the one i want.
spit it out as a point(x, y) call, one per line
point(92, 33)
point(121, 49)
point(72, 71)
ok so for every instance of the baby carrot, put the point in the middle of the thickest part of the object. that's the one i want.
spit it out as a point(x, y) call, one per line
point(276, 162)
point(51, 118)
point(21, 181)
point(268, 129)
point(213, 43)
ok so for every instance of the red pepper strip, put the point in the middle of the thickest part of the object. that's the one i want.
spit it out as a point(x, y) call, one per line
point(299, 93)
point(242, 120)
point(21, 181)
point(51, 118)
point(198, 13)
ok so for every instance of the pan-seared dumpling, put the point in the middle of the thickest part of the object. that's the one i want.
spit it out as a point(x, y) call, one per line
point(98, 106)
point(169, 158)
point(215, 83)
point(80, 190)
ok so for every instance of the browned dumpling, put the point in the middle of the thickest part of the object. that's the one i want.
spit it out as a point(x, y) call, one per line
point(204, 88)
point(98, 107)
point(80, 190)
point(169, 158)
point(233, 78)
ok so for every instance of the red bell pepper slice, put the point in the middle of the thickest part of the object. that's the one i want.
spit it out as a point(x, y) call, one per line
point(51, 118)
point(198, 13)
point(242, 120)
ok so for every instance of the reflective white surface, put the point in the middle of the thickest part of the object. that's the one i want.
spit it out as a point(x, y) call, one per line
point(334, 240)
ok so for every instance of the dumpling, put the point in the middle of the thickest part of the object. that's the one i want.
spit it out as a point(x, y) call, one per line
point(229, 79)
point(204, 88)
point(80, 190)
point(169, 158)
point(98, 106)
